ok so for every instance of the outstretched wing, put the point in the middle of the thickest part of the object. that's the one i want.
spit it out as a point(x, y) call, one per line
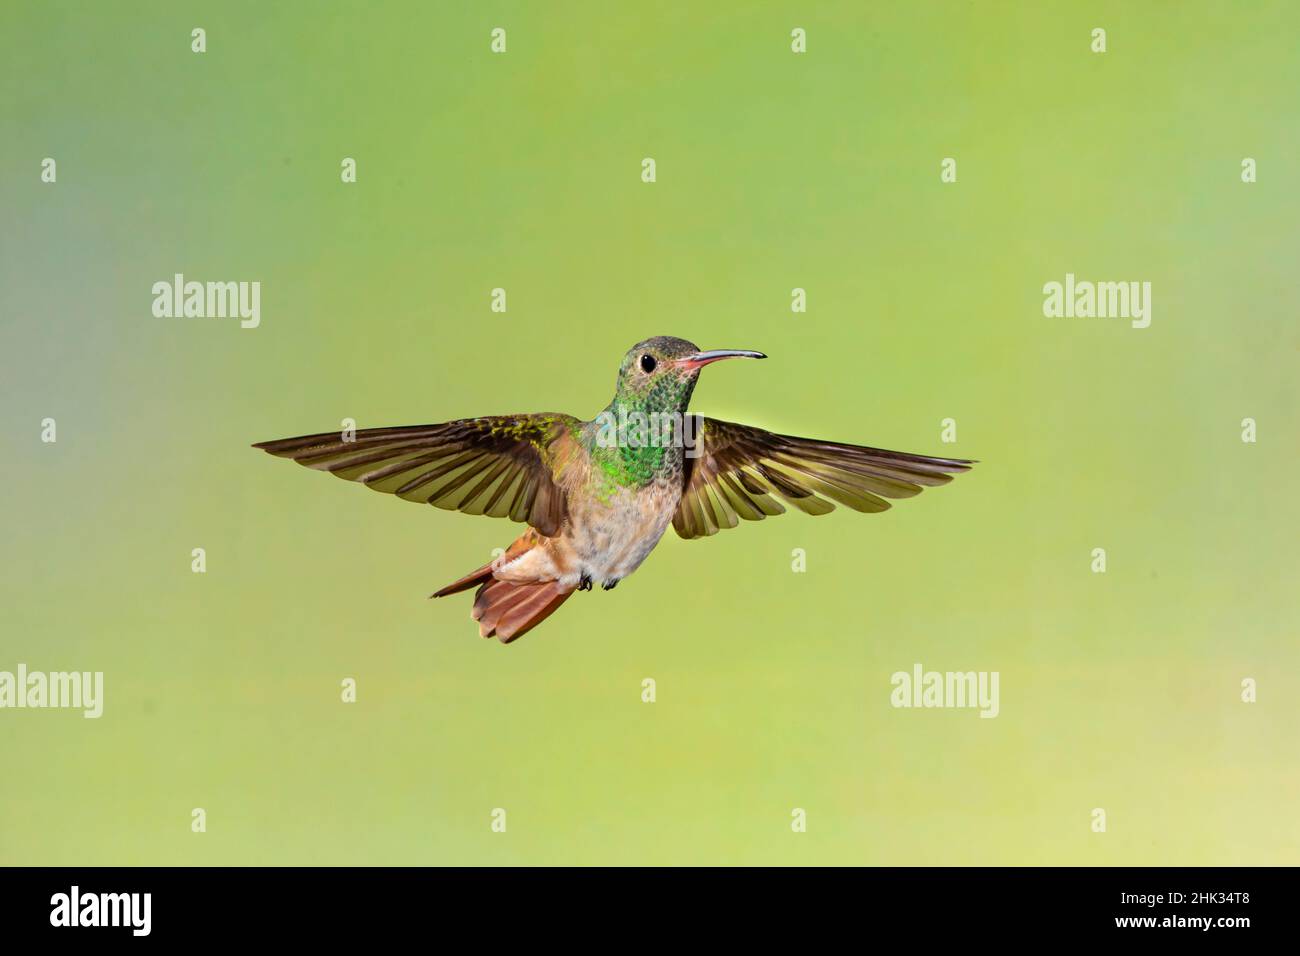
point(503, 465)
point(746, 472)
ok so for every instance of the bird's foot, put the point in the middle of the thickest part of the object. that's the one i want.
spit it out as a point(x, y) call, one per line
point(610, 585)
point(585, 583)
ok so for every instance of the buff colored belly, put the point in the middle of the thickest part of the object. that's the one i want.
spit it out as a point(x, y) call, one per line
point(610, 540)
point(602, 540)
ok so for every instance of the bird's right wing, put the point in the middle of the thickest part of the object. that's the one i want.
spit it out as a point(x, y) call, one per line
point(741, 472)
point(502, 466)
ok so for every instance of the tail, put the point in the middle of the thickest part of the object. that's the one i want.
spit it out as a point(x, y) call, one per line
point(468, 581)
point(504, 610)
point(509, 611)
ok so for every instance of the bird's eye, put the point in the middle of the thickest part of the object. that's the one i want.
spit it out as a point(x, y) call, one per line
point(647, 363)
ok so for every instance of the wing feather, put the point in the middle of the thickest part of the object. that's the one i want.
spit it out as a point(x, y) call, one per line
point(744, 473)
point(503, 466)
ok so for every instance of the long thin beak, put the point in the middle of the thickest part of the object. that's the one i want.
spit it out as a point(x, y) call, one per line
point(701, 359)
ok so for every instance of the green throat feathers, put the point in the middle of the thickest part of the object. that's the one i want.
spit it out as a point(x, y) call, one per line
point(637, 439)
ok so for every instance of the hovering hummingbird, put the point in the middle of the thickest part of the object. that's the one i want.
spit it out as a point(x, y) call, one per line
point(598, 495)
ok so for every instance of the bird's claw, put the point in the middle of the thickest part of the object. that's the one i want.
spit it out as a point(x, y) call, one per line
point(609, 585)
point(585, 583)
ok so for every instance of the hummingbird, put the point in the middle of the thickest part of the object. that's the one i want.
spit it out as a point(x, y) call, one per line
point(598, 495)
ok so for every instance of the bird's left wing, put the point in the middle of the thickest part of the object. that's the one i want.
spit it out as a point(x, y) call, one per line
point(744, 472)
point(503, 465)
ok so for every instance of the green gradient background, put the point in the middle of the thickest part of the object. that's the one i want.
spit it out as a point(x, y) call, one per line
point(1118, 691)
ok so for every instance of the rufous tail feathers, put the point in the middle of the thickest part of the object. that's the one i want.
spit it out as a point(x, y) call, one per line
point(477, 576)
point(509, 611)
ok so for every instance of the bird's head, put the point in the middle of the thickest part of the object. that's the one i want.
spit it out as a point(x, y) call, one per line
point(659, 374)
